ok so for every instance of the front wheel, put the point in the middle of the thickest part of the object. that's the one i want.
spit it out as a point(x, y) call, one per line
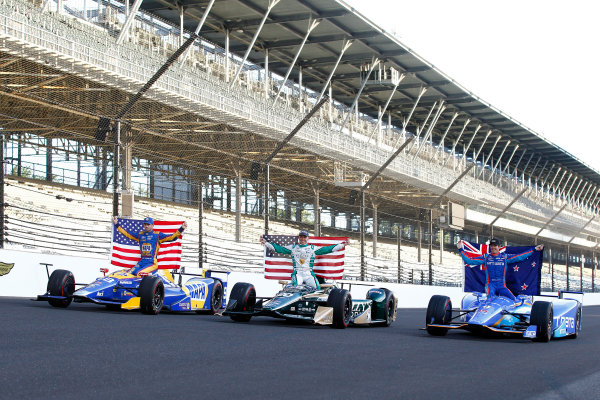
point(439, 312)
point(61, 283)
point(542, 316)
point(152, 294)
point(341, 302)
point(242, 298)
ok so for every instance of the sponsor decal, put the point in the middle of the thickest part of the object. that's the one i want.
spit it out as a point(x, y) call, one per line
point(359, 308)
point(197, 291)
point(100, 294)
point(568, 322)
point(5, 268)
point(530, 333)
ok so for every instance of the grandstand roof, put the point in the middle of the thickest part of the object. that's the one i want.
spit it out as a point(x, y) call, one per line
point(284, 31)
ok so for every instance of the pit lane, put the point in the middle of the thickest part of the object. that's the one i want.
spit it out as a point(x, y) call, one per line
point(87, 351)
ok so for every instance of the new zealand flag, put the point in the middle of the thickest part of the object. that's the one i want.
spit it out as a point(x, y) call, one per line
point(521, 278)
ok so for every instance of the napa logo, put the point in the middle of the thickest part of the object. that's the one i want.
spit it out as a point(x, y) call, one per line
point(5, 268)
point(197, 290)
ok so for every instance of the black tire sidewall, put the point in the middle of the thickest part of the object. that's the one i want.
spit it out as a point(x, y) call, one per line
point(147, 290)
point(61, 283)
point(216, 289)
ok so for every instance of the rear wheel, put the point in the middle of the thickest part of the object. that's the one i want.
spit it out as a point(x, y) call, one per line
point(384, 307)
point(439, 312)
point(242, 298)
point(216, 297)
point(341, 302)
point(542, 317)
point(61, 283)
point(577, 324)
point(152, 294)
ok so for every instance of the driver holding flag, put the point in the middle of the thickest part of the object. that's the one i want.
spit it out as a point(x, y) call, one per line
point(303, 258)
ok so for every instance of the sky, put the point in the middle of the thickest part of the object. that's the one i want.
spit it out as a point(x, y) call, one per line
point(537, 61)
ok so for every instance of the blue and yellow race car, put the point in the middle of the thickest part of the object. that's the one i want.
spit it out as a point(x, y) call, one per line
point(150, 293)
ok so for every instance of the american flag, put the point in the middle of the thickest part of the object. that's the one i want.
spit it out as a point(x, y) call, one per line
point(523, 277)
point(327, 266)
point(125, 252)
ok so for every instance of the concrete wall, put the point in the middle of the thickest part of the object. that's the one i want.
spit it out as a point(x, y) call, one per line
point(28, 278)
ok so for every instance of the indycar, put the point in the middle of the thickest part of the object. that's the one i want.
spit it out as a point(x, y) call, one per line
point(150, 293)
point(538, 320)
point(328, 306)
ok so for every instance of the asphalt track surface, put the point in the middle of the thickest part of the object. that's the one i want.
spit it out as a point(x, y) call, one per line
point(89, 352)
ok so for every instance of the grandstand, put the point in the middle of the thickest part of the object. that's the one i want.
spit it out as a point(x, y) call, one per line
point(202, 132)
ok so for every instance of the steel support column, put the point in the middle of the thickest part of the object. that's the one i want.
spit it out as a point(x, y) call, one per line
point(510, 159)
point(458, 139)
point(375, 228)
point(200, 225)
point(317, 208)
point(374, 63)
point(517, 197)
point(268, 78)
point(272, 3)
point(238, 204)
point(130, 18)
point(345, 45)
point(567, 263)
point(116, 159)
point(199, 27)
point(430, 247)
point(486, 159)
point(499, 159)
point(434, 121)
point(311, 26)
point(441, 144)
point(363, 266)
point(422, 127)
point(266, 195)
point(387, 103)
point(407, 120)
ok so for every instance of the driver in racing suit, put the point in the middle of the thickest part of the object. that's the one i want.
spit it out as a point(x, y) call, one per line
point(495, 264)
point(149, 241)
point(303, 258)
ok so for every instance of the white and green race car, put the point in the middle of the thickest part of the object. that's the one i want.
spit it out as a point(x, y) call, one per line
point(329, 305)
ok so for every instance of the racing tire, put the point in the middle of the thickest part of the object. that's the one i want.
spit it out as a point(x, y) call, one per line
point(216, 298)
point(439, 312)
point(152, 295)
point(244, 295)
point(542, 317)
point(61, 283)
point(577, 324)
point(341, 302)
point(385, 309)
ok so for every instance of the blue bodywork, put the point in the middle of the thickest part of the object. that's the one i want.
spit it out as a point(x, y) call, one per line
point(500, 314)
point(120, 289)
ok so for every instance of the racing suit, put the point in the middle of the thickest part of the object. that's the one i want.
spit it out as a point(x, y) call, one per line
point(303, 259)
point(495, 270)
point(149, 245)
